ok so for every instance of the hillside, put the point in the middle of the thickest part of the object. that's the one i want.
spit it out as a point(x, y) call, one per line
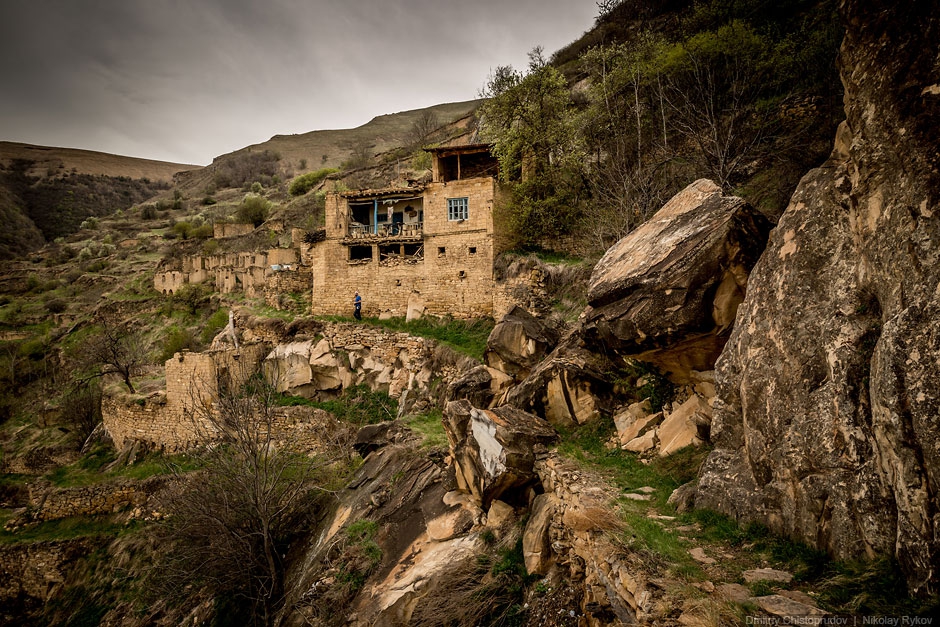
point(47, 192)
point(727, 416)
point(289, 155)
point(51, 161)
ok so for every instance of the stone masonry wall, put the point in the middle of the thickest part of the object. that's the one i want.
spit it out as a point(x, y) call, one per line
point(175, 420)
point(47, 503)
point(570, 529)
point(284, 283)
point(250, 272)
point(454, 277)
point(231, 229)
point(38, 569)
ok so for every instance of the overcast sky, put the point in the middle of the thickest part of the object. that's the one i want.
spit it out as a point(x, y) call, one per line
point(186, 81)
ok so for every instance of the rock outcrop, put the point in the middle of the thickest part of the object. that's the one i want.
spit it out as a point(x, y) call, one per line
point(676, 281)
point(569, 387)
point(494, 450)
point(826, 423)
point(518, 342)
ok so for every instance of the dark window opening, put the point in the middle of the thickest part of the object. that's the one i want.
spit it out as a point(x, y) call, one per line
point(414, 250)
point(441, 251)
point(360, 253)
point(362, 214)
point(473, 250)
point(467, 166)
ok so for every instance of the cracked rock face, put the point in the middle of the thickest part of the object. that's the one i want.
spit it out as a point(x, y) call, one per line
point(827, 424)
point(680, 275)
point(494, 450)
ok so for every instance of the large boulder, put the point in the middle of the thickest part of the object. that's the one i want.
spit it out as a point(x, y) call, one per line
point(494, 449)
point(518, 342)
point(826, 419)
point(677, 280)
point(570, 386)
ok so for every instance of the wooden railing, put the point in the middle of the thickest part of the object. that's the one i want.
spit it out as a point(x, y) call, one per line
point(411, 230)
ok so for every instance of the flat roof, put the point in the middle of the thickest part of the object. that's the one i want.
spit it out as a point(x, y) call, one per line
point(465, 149)
point(384, 192)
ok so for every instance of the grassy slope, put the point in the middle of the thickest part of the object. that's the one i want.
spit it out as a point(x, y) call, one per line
point(90, 162)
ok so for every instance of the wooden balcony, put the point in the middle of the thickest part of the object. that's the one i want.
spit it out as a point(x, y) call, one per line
point(412, 231)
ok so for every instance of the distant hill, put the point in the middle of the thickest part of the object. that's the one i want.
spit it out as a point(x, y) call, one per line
point(296, 154)
point(51, 161)
point(47, 192)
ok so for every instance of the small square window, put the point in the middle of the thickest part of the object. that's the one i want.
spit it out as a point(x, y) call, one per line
point(441, 251)
point(458, 209)
point(473, 250)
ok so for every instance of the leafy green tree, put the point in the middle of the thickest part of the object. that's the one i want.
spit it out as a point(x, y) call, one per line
point(254, 209)
point(530, 120)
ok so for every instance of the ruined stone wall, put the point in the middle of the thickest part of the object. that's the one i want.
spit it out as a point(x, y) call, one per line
point(249, 272)
point(527, 290)
point(38, 569)
point(177, 420)
point(48, 503)
point(570, 528)
point(230, 229)
point(285, 283)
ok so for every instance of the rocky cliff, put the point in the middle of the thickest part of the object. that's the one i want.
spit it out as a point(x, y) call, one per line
point(826, 420)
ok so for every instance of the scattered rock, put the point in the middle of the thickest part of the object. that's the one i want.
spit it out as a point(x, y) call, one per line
point(698, 554)
point(494, 449)
point(779, 605)
point(687, 425)
point(733, 592)
point(499, 514)
point(536, 548)
point(518, 342)
point(767, 574)
point(683, 497)
point(450, 525)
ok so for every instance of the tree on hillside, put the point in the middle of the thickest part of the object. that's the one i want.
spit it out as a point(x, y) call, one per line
point(531, 123)
point(115, 349)
point(421, 130)
point(716, 85)
point(230, 524)
point(254, 210)
point(632, 171)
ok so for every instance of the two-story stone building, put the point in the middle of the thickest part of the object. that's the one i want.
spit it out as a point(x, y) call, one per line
point(427, 247)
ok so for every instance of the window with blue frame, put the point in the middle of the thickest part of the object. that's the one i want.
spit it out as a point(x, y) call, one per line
point(458, 209)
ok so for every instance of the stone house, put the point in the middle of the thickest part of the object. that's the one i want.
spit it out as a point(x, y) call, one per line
point(427, 248)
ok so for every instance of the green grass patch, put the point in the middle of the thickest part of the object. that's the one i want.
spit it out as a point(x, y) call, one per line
point(587, 445)
point(65, 529)
point(90, 468)
point(357, 405)
point(430, 426)
point(467, 337)
point(214, 324)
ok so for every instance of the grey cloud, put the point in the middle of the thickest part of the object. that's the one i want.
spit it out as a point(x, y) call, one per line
point(186, 81)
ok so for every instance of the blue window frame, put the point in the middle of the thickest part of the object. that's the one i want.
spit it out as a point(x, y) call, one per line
point(458, 209)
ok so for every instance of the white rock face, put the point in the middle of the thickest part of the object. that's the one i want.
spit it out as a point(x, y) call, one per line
point(492, 455)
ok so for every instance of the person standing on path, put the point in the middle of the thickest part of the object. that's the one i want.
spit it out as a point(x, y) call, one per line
point(357, 302)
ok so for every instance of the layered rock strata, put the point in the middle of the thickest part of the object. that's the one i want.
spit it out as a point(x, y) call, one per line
point(829, 389)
